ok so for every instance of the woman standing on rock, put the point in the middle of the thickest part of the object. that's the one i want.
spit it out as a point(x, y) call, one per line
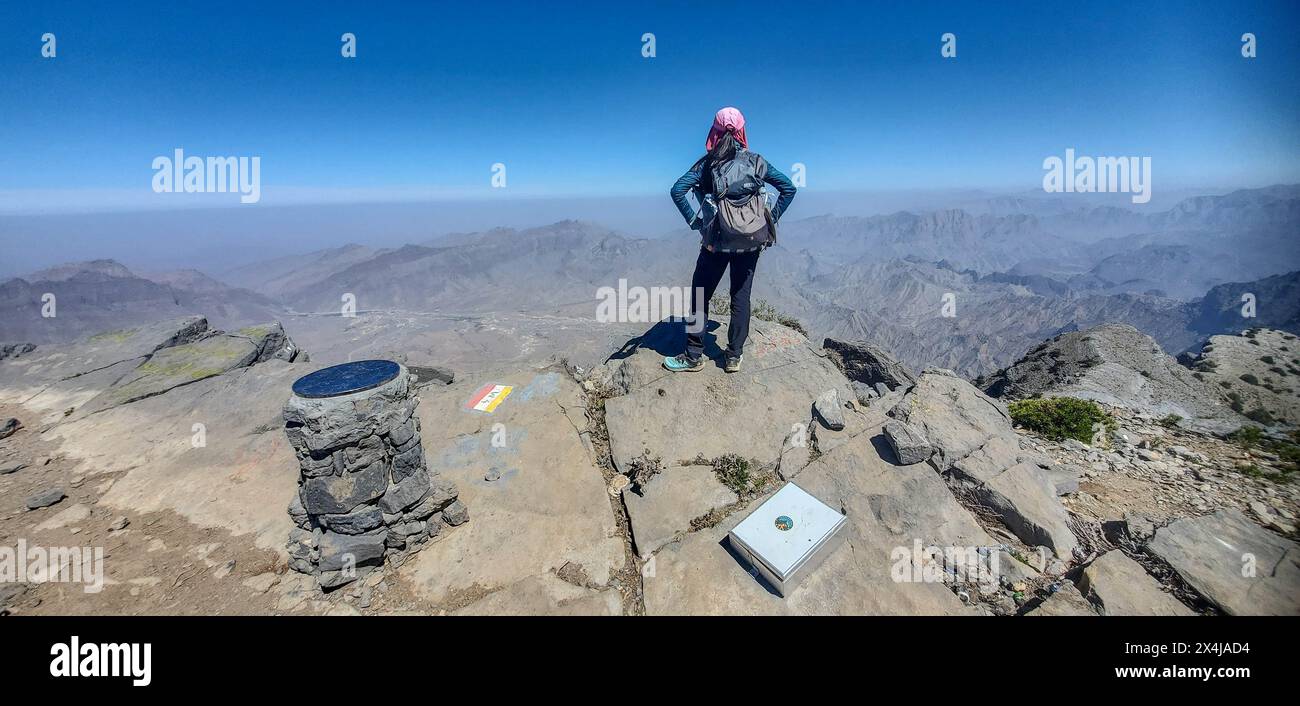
point(736, 224)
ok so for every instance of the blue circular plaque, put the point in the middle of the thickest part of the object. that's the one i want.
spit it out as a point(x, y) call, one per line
point(346, 378)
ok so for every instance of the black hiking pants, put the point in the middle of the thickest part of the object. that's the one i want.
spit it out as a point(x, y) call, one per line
point(708, 273)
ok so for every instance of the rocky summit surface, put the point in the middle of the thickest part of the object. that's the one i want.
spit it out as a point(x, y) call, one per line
point(610, 488)
point(1258, 371)
point(1117, 365)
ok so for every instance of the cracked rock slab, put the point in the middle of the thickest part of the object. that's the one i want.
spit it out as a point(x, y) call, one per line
point(1012, 483)
point(71, 515)
point(1234, 563)
point(27, 375)
point(1064, 477)
point(547, 507)
point(954, 416)
point(1066, 601)
point(1120, 586)
point(1024, 497)
point(546, 594)
point(670, 501)
point(176, 366)
point(888, 508)
point(239, 474)
point(997, 455)
point(675, 416)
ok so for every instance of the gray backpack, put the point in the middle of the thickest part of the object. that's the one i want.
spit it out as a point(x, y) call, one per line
point(738, 195)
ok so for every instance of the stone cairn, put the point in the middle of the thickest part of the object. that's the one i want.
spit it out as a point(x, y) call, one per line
point(365, 493)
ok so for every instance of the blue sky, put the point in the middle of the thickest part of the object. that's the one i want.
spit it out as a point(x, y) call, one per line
point(560, 93)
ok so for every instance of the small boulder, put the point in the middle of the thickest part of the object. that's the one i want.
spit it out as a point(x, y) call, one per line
point(456, 513)
point(909, 444)
point(8, 427)
point(45, 498)
point(13, 350)
point(829, 410)
point(426, 374)
point(864, 392)
point(8, 468)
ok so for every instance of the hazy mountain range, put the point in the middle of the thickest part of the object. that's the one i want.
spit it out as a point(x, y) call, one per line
point(1013, 271)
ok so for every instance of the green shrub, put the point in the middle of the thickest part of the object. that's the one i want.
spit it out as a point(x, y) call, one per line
point(1171, 420)
point(764, 310)
point(1252, 470)
point(1247, 436)
point(720, 305)
point(742, 475)
point(1250, 379)
point(1260, 415)
point(791, 322)
point(1061, 418)
point(1289, 453)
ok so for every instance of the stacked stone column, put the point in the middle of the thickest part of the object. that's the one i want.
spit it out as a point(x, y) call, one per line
point(365, 493)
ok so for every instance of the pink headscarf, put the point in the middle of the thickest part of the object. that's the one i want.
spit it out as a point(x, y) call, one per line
point(728, 120)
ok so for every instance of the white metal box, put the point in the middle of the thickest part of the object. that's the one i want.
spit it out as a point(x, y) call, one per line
point(788, 536)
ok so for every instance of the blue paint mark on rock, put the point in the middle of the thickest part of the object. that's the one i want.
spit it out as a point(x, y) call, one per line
point(542, 386)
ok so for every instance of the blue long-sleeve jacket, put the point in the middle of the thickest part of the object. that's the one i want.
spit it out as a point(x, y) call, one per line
point(691, 182)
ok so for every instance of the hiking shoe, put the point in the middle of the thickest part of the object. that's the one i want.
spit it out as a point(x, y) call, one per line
point(683, 363)
point(733, 364)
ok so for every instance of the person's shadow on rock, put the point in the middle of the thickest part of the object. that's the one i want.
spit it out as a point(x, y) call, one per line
point(668, 338)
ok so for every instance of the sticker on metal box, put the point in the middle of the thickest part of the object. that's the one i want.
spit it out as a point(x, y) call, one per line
point(785, 536)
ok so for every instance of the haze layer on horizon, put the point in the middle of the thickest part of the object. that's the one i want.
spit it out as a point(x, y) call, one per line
point(218, 239)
